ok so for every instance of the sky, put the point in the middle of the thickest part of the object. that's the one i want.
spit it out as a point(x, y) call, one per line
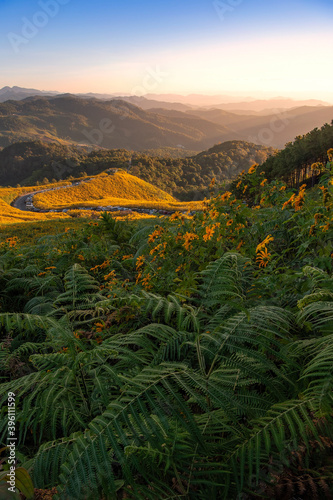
point(260, 48)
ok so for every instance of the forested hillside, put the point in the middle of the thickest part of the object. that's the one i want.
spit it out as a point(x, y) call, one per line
point(185, 178)
point(177, 357)
point(293, 163)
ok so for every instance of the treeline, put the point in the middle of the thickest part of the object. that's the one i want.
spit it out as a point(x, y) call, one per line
point(293, 163)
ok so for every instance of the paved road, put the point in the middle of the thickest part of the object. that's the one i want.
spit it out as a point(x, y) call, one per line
point(20, 202)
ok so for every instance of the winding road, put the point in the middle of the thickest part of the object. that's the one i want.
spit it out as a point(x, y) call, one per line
point(21, 203)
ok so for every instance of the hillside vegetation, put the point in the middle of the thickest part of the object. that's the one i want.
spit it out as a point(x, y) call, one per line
point(113, 188)
point(184, 178)
point(175, 357)
point(10, 215)
point(293, 163)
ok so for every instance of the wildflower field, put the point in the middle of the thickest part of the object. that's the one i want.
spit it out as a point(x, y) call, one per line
point(114, 189)
point(10, 215)
point(175, 357)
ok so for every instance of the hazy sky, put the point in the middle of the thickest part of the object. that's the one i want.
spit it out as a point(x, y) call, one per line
point(279, 47)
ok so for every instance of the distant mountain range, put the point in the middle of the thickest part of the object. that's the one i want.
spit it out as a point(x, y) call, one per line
point(138, 123)
point(177, 101)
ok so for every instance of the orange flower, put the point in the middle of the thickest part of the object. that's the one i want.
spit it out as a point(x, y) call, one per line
point(189, 237)
point(209, 233)
point(229, 222)
point(126, 257)
point(140, 261)
point(325, 228)
point(263, 182)
point(263, 244)
point(225, 196)
point(252, 169)
point(145, 282)
point(289, 202)
point(263, 257)
point(213, 214)
point(155, 234)
point(112, 275)
point(239, 246)
point(330, 154)
point(80, 257)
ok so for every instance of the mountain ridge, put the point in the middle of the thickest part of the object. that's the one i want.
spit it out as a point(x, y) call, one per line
point(116, 123)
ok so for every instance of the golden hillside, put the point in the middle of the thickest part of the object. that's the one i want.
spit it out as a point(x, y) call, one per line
point(118, 188)
point(8, 194)
point(10, 215)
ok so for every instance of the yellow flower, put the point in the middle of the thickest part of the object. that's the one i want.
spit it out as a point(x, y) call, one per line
point(263, 244)
point(298, 201)
point(263, 257)
point(213, 214)
point(175, 216)
point(209, 233)
point(317, 217)
point(188, 237)
point(283, 188)
point(325, 228)
point(330, 154)
point(145, 282)
point(263, 182)
point(229, 222)
point(225, 196)
point(140, 261)
point(252, 169)
point(80, 257)
point(312, 228)
point(289, 202)
point(156, 233)
point(239, 245)
point(112, 274)
point(125, 257)
point(245, 188)
point(239, 184)
point(155, 249)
